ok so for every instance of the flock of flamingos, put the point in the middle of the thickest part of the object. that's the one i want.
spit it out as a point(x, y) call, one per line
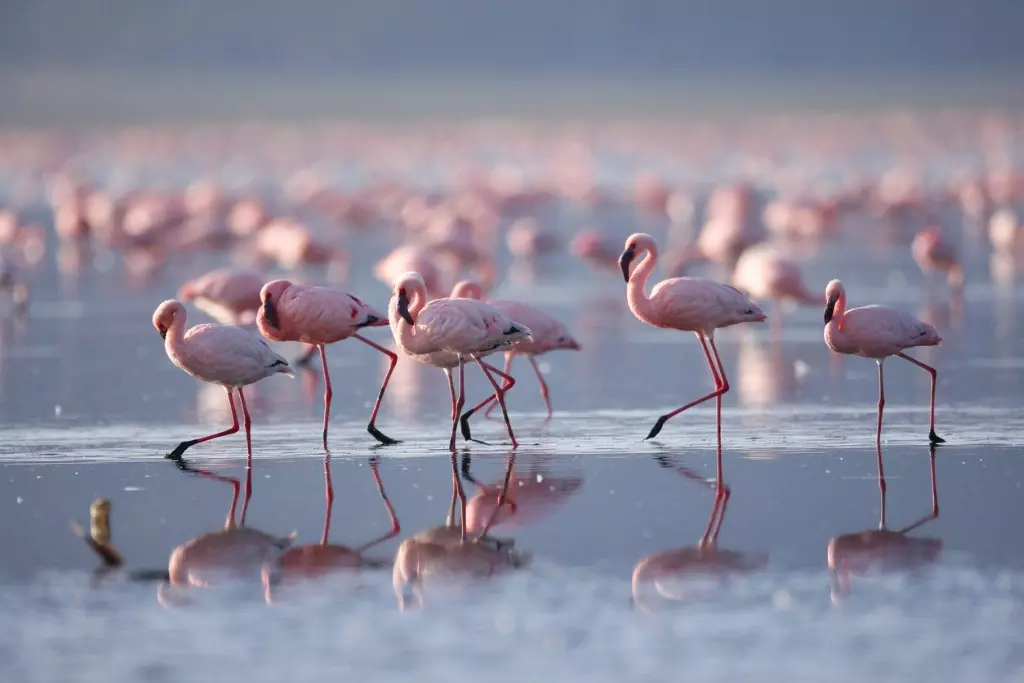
point(439, 312)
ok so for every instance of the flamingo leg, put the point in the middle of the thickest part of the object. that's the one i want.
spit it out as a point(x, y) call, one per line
point(932, 436)
point(721, 386)
point(248, 458)
point(457, 491)
point(371, 427)
point(499, 394)
point(502, 497)
point(722, 382)
point(508, 368)
point(328, 391)
point(881, 486)
point(935, 500)
point(180, 449)
point(460, 404)
point(306, 357)
point(881, 401)
point(543, 386)
point(509, 383)
point(235, 486)
point(396, 528)
point(329, 497)
point(451, 388)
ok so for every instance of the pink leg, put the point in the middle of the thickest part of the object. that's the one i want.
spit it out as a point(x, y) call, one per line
point(235, 487)
point(543, 386)
point(451, 389)
point(499, 394)
point(881, 485)
point(396, 528)
point(932, 436)
point(509, 383)
point(180, 449)
point(329, 497)
point(722, 382)
point(458, 492)
point(508, 368)
point(372, 428)
point(248, 457)
point(717, 393)
point(881, 402)
point(328, 392)
point(502, 496)
point(459, 405)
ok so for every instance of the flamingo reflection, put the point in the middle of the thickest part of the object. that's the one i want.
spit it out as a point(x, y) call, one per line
point(693, 572)
point(324, 558)
point(882, 550)
point(453, 557)
point(221, 556)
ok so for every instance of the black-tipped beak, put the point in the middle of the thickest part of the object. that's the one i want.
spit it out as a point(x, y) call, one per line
point(624, 262)
point(270, 313)
point(830, 308)
point(403, 308)
point(370, 321)
point(163, 332)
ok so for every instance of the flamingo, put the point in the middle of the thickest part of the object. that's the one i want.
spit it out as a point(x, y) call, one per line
point(764, 272)
point(219, 354)
point(878, 332)
point(933, 253)
point(688, 304)
point(226, 295)
point(321, 316)
point(463, 327)
point(548, 335)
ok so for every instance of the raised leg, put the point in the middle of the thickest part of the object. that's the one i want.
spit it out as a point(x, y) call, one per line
point(881, 400)
point(502, 496)
point(509, 383)
point(371, 427)
point(396, 528)
point(499, 394)
point(459, 405)
point(721, 386)
point(935, 498)
point(543, 386)
point(932, 436)
point(180, 449)
point(328, 391)
point(508, 369)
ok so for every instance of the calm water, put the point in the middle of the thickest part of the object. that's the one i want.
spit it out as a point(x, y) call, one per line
point(89, 404)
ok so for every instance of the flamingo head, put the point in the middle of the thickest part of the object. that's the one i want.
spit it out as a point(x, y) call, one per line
point(406, 285)
point(930, 234)
point(270, 294)
point(833, 292)
point(637, 244)
point(163, 316)
point(467, 289)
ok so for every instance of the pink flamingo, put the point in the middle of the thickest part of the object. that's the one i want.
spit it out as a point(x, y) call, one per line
point(321, 316)
point(226, 295)
point(547, 334)
point(596, 249)
point(933, 253)
point(463, 327)
point(878, 332)
point(688, 304)
point(763, 272)
point(220, 354)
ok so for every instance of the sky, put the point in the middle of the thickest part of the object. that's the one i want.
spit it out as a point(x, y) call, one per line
point(521, 37)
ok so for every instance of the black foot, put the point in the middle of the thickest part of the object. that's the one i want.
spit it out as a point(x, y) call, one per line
point(180, 449)
point(466, 434)
point(381, 437)
point(934, 438)
point(657, 427)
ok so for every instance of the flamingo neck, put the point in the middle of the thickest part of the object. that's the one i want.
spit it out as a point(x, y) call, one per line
point(405, 334)
point(174, 343)
point(839, 312)
point(636, 288)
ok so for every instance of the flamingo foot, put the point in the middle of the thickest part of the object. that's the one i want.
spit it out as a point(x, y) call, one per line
point(657, 427)
point(466, 433)
point(180, 449)
point(934, 438)
point(381, 437)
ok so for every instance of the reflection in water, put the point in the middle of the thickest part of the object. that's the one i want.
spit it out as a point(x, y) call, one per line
point(765, 375)
point(217, 557)
point(881, 550)
point(690, 573)
point(450, 558)
point(324, 558)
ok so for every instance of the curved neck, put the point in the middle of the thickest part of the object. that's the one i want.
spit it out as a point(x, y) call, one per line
point(838, 312)
point(405, 334)
point(174, 342)
point(636, 288)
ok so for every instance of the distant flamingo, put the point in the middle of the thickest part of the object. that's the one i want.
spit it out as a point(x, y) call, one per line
point(878, 332)
point(226, 295)
point(687, 304)
point(464, 327)
point(220, 354)
point(321, 316)
point(547, 333)
point(764, 272)
point(933, 253)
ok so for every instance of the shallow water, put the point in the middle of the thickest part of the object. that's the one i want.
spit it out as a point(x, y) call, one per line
point(89, 405)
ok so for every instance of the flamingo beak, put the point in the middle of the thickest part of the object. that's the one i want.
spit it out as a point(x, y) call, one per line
point(624, 262)
point(163, 332)
point(830, 307)
point(403, 307)
point(270, 314)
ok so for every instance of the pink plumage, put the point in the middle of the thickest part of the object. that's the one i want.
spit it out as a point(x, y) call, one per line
point(933, 253)
point(220, 354)
point(878, 332)
point(320, 316)
point(763, 272)
point(226, 295)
